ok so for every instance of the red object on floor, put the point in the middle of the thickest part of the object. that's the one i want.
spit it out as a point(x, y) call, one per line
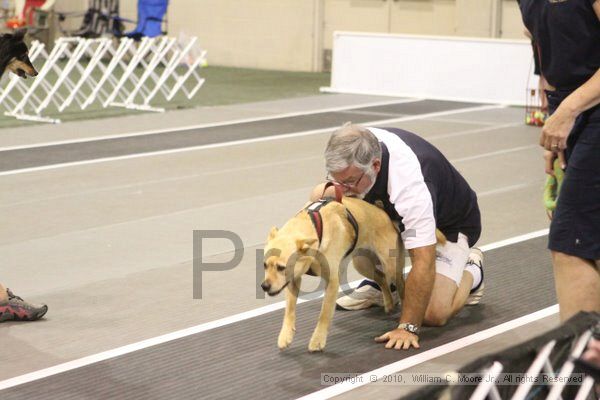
point(27, 16)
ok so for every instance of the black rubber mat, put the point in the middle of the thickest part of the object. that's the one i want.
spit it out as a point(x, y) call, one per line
point(115, 147)
point(418, 107)
point(242, 361)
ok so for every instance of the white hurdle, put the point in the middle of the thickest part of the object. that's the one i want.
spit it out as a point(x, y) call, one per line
point(120, 90)
point(159, 51)
point(109, 73)
point(120, 73)
point(179, 59)
point(102, 46)
point(192, 66)
point(65, 75)
point(165, 53)
point(556, 384)
point(488, 388)
point(567, 369)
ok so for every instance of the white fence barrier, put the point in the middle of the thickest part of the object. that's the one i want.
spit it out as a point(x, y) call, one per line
point(80, 72)
point(446, 68)
point(556, 380)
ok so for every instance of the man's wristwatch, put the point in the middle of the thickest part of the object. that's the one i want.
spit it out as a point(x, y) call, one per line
point(408, 327)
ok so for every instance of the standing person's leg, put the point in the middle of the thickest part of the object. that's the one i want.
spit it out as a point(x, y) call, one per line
point(574, 237)
point(577, 283)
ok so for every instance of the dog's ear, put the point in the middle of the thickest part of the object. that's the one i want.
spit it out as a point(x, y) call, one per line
point(304, 244)
point(272, 233)
point(19, 34)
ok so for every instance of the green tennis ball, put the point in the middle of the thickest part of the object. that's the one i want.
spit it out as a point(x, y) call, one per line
point(552, 187)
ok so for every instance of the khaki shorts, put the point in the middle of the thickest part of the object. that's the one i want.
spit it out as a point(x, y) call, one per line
point(451, 258)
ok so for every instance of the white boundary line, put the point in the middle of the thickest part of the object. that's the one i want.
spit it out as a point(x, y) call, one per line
point(222, 171)
point(81, 362)
point(216, 124)
point(245, 141)
point(329, 89)
point(401, 365)
point(504, 189)
point(513, 240)
point(488, 128)
point(495, 153)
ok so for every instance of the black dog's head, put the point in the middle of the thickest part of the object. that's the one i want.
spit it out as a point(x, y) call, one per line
point(14, 50)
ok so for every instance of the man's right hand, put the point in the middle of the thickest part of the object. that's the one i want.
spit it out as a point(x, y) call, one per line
point(399, 339)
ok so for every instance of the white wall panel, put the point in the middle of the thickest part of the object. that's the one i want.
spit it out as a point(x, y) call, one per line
point(468, 69)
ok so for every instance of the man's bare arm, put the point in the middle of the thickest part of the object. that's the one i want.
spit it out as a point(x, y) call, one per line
point(419, 285)
point(417, 292)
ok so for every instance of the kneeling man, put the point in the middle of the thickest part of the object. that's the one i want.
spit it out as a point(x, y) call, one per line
point(420, 190)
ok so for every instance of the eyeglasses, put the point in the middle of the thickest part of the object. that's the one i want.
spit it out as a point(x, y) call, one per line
point(347, 184)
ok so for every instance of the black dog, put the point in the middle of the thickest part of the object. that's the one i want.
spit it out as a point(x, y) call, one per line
point(14, 55)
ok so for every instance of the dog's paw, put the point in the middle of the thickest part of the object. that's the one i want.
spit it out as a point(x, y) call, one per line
point(317, 343)
point(285, 338)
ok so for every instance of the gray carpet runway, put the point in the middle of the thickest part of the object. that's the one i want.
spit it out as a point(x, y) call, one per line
point(241, 360)
point(114, 147)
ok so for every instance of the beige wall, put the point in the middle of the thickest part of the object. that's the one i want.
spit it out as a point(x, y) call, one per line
point(423, 17)
point(268, 34)
point(512, 24)
point(293, 34)
point(71, 6)
point(474, 18)
point(128, 8)
point(354, 15)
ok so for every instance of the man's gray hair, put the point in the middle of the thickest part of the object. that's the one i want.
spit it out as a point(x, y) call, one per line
point(351, 145)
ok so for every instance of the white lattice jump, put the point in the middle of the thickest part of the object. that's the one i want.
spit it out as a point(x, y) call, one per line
point(79, 72)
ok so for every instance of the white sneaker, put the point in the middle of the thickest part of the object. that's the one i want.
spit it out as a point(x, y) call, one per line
point(366, 295)
point(476, 258)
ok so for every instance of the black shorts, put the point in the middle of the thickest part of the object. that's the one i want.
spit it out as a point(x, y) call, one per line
point(575, 227)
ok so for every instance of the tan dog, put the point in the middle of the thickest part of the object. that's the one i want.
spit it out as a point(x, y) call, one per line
point(295, 250)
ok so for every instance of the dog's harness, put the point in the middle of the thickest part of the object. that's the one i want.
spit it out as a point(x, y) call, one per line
point(315, 216)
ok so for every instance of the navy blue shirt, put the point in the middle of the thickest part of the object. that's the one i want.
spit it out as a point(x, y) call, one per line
point(567, 33)
point(418, 187)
